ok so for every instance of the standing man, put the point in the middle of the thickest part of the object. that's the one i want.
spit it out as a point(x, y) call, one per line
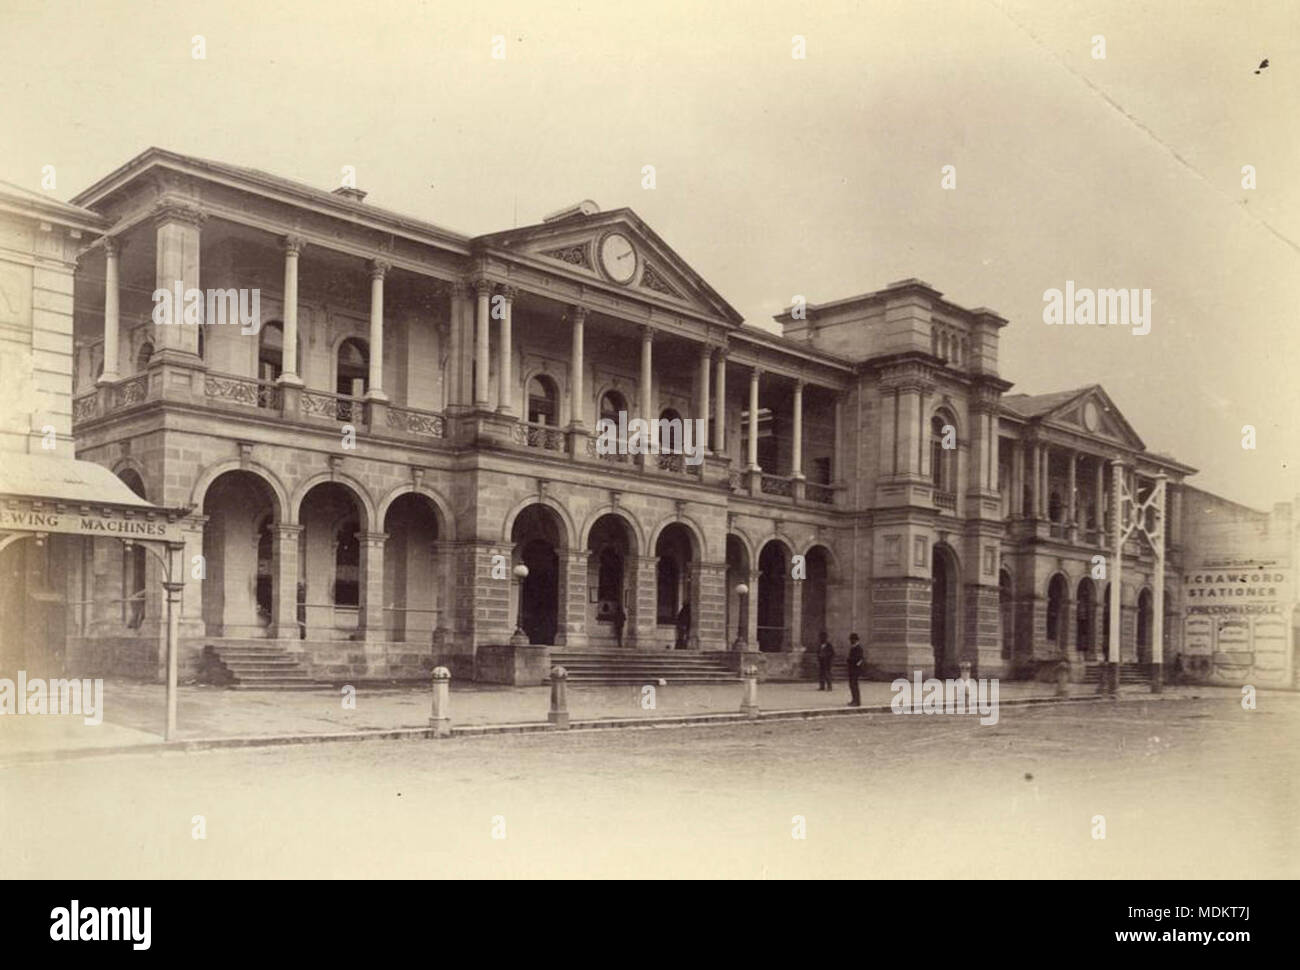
point(825, 657)
point(857, 663)
point(684, 626)
point(620, 620)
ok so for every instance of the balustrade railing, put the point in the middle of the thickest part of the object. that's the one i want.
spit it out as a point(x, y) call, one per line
point(243, 390)
point(544, 437)
point(777, 485)
point(945, 500)
point(334, 407)
point(814, 492)
point(415, 421)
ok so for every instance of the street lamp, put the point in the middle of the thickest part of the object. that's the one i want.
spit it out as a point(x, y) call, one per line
point(519, 638)
point(742, 625)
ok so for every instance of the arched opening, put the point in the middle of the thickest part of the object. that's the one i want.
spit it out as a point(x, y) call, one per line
point(673, 553)
point(773, 588)
point(538, 536)
point(1058, 593)
point(611, 546)
point(738, 570)
point(1085, 617)
point(238, 555)
point(1007, 613)
point(143, 356)
point(670, 431)
point(329, 564)
point(813, 587)
point(411, 575)
point(1144, 615)
point(353, 378)
point(543, 401)
point(943, 609)
point(270, 351)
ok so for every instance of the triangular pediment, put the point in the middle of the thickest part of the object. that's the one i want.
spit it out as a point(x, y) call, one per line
point(1091, 412)
point(598, 248)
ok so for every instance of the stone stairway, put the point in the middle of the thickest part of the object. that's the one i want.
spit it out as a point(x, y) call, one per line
point(253, 665)
point(633, 667)
point(1128, 673)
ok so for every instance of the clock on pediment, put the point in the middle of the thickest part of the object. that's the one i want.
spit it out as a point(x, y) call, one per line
point(1091, 417)
point(617, 257)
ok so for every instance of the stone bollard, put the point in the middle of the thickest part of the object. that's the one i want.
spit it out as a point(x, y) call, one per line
point(1063, 680)
point(440, 720)
point(559, 714)
point(749, 692)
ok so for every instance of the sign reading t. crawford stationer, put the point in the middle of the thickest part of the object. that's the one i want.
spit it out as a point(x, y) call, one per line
point(1238, 621)
point(18, 515)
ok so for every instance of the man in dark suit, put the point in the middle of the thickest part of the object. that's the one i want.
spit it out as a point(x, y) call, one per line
point(825, 657)
point(857, 665)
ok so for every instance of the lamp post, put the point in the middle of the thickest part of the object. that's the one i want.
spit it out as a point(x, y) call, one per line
point(742, 626)
point(519, 638)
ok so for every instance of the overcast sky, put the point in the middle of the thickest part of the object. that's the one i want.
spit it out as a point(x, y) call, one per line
point(777, 176)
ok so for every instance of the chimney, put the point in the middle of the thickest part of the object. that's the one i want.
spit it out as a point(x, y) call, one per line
point(349, 192)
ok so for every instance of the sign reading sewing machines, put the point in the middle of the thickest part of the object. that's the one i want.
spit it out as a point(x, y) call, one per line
point(115, 523)
point(1237, 622)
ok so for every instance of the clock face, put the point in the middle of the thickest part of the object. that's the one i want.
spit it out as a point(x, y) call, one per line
point(1091, 419)
point(618, 258)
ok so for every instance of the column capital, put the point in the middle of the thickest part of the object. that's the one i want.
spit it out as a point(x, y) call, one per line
point(482, 287)
point(756, 373)
point(112, 246)
point(647, 334)
point(508, 291)
point(293, 245)
point(577, 314)
point(800, 384)
point(378, 268)
point(175, 210)
point(706, 351)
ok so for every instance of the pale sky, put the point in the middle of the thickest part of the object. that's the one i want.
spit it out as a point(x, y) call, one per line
point(776, 176)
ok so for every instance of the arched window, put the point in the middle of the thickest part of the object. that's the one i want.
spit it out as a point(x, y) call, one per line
point(1055, 507)
point(270, 351)
point(1056, 596)
point(611, 404)
point(543, 398)
point(353, 368)
point(347, 564)
point(143, 355)
point(668, 578)
point(670, 434)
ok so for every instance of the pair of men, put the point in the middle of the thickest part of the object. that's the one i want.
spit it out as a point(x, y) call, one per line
point(856, 666)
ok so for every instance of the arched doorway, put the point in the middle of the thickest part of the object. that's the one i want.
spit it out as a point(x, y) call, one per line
point(1007, 613)
point(238, 552)
point(674, 552)
point(817, 565)
point(538, 537)
point(411, 575)
point(1085, 617)
point(1058, 593)
point(330, 579)
point(738, 571)
point(943, 609)
point(611, 546)
point(773, 587)
point(1144, 615)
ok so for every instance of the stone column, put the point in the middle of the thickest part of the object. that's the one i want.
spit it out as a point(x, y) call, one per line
point(1158, 584)
point(1037, 496)
point(797, 451)
point(720, 403)
point(647, 375)
point(372, 622)
point(483, 290)
point(284, 589)
point(837, 462)
point(1099, 495)
point(1116, 545)
point(641, 621)
point(702, 392)
point(1071, 503)
point(293, 245)
point(111, 311)
point(375, 392)
point(177, 247)
point(995, 447)
point(751, 613)
point(505, 365)
point(577, 366)
point(754, 376)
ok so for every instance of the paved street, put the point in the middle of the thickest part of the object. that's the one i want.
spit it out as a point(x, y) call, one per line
point(1187, 787)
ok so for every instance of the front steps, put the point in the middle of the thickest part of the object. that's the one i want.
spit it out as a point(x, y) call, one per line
point(1129, 673)
point(250, 665)
point(632, 667)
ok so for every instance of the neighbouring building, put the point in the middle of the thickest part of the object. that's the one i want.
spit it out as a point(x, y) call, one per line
point(414, 417)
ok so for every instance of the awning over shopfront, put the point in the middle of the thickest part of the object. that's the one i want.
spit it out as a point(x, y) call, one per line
point(44, 493)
